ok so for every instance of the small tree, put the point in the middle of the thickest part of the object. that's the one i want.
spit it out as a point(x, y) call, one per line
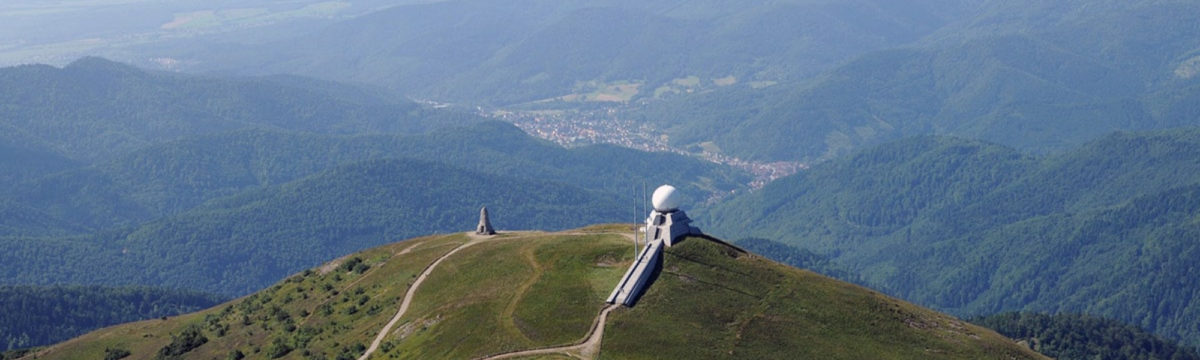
point(279, 348)
point(188, 340)
point(115, 354)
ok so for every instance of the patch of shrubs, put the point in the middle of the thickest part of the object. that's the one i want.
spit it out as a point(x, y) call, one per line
point(115, 353)
point(188, 340)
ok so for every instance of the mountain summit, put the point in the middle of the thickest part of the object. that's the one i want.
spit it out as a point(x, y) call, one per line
point(541, 295)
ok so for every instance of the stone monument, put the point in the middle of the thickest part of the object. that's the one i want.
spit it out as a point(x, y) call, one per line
point(485, 225)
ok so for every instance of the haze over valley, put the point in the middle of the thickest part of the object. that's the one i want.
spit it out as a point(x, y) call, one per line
point(1030, 166)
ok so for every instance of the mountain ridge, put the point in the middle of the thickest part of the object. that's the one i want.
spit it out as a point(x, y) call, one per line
point(1039, 80)
point(519, 51)
point(547, 289)
point(94, 109)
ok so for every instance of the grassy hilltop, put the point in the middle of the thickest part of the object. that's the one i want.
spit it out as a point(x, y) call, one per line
point(531, 290)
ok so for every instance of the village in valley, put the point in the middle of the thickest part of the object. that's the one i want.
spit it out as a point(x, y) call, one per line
point(572, 128)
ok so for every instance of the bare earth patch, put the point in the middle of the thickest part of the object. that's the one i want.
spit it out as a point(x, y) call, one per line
point(1189, 68)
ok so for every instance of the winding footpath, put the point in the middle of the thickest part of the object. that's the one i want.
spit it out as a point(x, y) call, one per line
point(412, 290)
point(588, 349)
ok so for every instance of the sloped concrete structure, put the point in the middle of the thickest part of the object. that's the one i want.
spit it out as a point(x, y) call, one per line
point(637, 278)
point(666, 226)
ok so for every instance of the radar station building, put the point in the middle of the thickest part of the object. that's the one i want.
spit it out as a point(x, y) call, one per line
point(666, 226)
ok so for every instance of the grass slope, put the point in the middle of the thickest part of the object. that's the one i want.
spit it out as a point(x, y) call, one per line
point(316, 308)
point(523, 290)
point(539, 291)
point(713, 301)
point(528, 290)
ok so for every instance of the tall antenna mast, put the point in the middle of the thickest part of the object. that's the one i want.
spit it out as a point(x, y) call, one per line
point(645, 230)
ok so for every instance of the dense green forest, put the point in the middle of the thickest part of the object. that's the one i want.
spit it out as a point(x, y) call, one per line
point(35, 316)
point(1027, 74)
point(172, 177)
point(977, 228)
point(21, 163)
point(1083, 337)
point(229, 213)
point(243, 242)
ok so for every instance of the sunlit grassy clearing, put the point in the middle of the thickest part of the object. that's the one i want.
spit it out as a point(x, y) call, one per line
point(517, 294)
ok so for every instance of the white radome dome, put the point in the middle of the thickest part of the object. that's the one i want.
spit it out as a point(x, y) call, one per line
point(666, 199)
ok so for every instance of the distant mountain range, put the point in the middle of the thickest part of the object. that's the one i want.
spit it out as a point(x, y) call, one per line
point(793, 80)
point(512, 51)
point(95, 109)
point(1033, 75)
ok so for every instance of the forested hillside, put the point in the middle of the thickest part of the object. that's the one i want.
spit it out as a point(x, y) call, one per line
point(241, 243)
point(1082, 337)
point(1039, 76)
point(976, 228)
point(173, 177)
point(95, 109)
point(23, 162)
point(36, 316)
